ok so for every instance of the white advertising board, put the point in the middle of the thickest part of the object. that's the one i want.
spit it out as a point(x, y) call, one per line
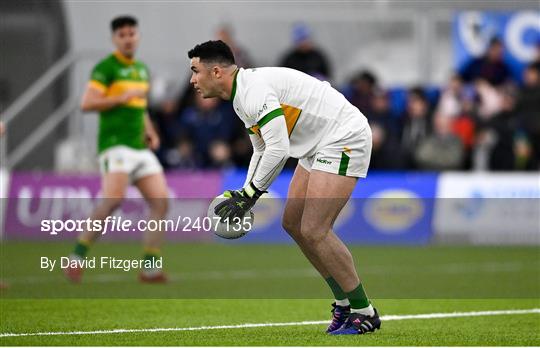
point(488, 208)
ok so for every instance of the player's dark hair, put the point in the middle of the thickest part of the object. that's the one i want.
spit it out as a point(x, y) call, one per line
point(123, 21)
point(213, 52)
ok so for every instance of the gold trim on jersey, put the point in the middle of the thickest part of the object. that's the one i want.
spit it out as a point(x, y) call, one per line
point(123, 59)
point(97, 85)
point(120, 87)
point(291, 113)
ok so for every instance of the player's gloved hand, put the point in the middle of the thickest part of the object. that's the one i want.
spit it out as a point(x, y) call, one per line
point(239, 202)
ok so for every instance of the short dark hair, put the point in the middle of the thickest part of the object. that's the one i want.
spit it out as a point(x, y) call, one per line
point(495, 41)
point(366, 76)
point(123, 21)
point(213, 51)
point(534, 66)
point(418, 92)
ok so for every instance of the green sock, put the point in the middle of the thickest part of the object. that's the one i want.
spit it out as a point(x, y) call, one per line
point(151, 256)
point(358, 297)
point(81, 248)
point(339, 294)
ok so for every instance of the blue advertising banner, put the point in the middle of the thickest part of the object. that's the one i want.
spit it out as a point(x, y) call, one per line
point(386, 208)
point(519, 31)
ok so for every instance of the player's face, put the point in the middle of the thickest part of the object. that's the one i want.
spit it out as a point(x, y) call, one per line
point(126, 40)
point(202, 79)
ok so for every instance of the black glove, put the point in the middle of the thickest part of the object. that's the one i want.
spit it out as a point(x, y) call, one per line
point(239, 202)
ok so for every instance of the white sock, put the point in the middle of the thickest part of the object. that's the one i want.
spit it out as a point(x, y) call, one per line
point(343, 303)
point(369, 311)
point(151, 271)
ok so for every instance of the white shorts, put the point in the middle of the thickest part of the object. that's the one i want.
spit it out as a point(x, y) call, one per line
point(346, 150)
point(136, 163)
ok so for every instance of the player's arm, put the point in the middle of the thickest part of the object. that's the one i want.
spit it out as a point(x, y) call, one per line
point(152, 137)
point(265, 167)
point(275, 136)
point(258, 150)
point(95, 99)
point(262, 103)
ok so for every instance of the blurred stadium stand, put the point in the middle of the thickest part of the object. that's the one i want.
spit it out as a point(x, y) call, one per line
point(404, 42)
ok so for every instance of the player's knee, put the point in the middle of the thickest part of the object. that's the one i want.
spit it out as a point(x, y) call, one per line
point(111, 204)
point(312, 234)
point(290, 226)
point(159, 206)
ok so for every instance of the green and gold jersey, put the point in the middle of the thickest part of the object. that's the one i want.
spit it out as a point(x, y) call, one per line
point(124, 124)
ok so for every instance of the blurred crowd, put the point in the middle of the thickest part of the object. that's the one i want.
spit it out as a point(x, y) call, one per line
point(482, 119)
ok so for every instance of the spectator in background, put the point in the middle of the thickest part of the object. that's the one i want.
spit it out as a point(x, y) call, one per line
point(210, 126)
point(305, 55)
point(417, 124)
point(536, 59)
point(385, 129)
point(163, 110)
point(490, 67)
point(180, 156)
point(464, 125)
point(241, 56)
point(496, 139)
point(451, 98)
point(241, 146)
point(528, 111)
point(490, 99)
point(362, 91)
point(442, 150)
point(165, 113)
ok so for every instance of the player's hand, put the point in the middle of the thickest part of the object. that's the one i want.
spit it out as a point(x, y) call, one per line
point(238, 203)
point(152, 140)
point(130, 94)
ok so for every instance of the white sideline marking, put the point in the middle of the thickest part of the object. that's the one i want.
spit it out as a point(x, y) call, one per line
point(299, 323)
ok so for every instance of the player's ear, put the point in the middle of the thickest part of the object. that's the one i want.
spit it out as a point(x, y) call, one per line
point(113, 37)
point(216, 71)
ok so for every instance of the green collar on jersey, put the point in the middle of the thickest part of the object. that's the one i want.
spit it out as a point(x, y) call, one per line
point(233, 92)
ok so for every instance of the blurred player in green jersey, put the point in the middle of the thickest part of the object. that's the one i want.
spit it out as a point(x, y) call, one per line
point(118, 89)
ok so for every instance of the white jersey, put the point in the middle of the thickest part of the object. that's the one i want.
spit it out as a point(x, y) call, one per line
point(312, 108)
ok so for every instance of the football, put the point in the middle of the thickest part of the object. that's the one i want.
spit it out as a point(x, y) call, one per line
point(229, 229)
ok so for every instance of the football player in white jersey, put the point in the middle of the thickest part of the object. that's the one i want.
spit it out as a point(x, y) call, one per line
point(291, 114)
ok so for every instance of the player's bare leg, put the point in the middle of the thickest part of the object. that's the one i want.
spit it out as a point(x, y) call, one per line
point(113, 187)
point(326, 196)
point(154, 189)
point(292, 216)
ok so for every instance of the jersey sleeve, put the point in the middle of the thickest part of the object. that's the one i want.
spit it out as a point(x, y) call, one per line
point(266, 119)
point(100, 77)
point(261, 105)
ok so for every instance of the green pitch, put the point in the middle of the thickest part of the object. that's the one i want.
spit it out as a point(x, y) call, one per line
point(215, 285)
